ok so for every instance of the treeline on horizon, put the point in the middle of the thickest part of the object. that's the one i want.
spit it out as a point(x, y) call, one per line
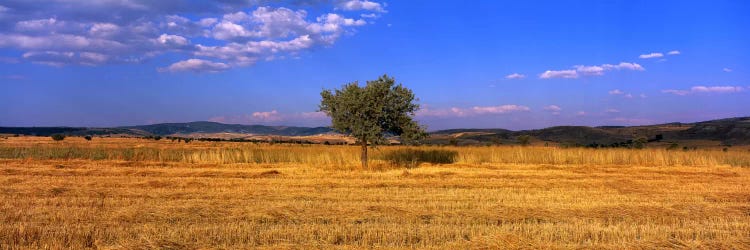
point(523, 140)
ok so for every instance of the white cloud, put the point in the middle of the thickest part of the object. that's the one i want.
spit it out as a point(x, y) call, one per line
point(615, 92)
point(676, 91)
point(716, 89)
point(499, 109)
point(624, 65)
point(207, 22)
point(590, 70)
point(473, 111)
point(581, 113)
point(726, 70)
point(353, 5)
point(369, 15)
point(705, 89)
point(267, 116)
point(131, 31)
point(96, 58)
point(559, 74)
point(172, 40)
point(39, 24)
point(54, 58)
point(673, 52)
point(612, 111)
point(227, 30)
point(515, 76)
point(651, 55)
point(196, 65)
point(596, 70)
point(104, 29)
point(554, 108)
point(629, 96)
point(280, 23)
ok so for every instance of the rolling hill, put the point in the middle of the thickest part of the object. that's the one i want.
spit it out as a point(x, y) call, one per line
point(731, 131)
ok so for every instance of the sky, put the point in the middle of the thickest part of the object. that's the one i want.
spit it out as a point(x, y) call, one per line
point(477, 64)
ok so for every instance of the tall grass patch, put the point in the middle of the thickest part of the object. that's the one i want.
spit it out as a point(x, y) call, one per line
point(409, 157)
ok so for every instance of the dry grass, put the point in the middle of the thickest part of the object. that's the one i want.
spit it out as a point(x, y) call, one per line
point(316, 197)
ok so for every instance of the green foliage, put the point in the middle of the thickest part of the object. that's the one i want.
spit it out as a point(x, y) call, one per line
point(369, 113)
point(640, 142)
point(372, 112)
point(413, 157)
point(58, 137)
point(88, 137)
point(524, 140)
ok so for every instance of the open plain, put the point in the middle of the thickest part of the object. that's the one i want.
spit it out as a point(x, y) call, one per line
point(120, 193)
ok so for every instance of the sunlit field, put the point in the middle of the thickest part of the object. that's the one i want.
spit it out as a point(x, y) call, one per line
point(138, 194)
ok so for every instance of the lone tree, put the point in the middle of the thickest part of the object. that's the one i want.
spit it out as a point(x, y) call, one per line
point(371, 112)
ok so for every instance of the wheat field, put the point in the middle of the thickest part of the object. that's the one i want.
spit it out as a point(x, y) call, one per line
point(119, 193)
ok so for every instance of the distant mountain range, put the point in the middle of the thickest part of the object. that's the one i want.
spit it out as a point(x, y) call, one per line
point(732, 131)
point(166, 129)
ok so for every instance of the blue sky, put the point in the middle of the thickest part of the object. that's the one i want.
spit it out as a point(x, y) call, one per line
point(484, 64)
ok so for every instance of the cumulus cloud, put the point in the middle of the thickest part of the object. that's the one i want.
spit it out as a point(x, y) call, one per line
point(472, 111)
point(559, 74)
point(616, 92)
point(594, 70)
point(705, 89)
point(196, 65)
point(515, 76)
point(353, 5)
point(172, 40)
point(673, 52)
point(554, 109)
point(227, 34)
point(651, 55)
point(267, 116)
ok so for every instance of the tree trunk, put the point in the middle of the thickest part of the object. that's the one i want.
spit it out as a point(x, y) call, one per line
point(364, 153)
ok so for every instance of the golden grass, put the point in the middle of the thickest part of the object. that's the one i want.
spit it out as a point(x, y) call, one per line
point(493, 197)
point(124, 149)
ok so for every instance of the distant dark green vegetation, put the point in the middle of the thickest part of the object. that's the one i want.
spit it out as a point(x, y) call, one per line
point(413, 157)
point(673, 136)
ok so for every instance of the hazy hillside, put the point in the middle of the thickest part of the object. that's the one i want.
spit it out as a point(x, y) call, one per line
point(165, 129)
point(215, 127)
point(732, 131)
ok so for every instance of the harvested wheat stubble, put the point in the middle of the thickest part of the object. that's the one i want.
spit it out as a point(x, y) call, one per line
point(140, 204)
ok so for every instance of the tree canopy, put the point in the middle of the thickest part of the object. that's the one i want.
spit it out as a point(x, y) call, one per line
point(372, 112)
